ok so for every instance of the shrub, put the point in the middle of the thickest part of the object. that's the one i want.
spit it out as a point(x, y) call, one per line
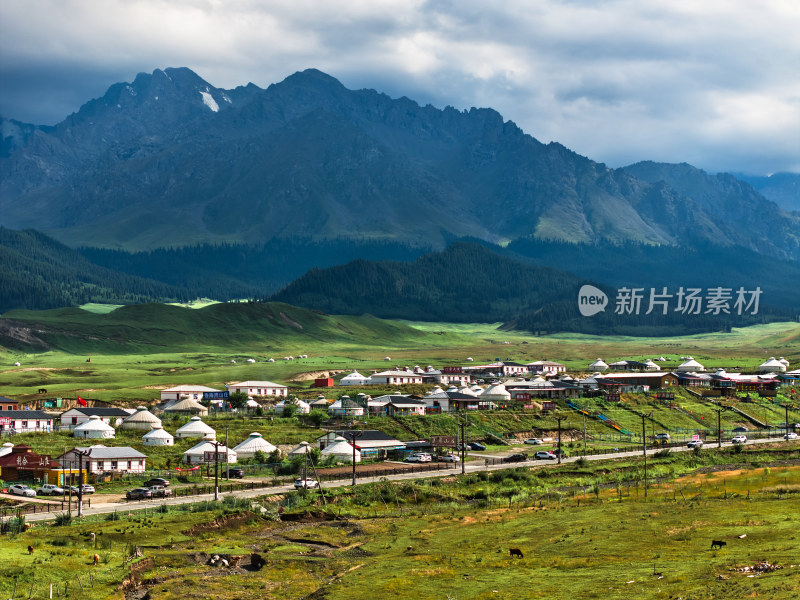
point(63, 519)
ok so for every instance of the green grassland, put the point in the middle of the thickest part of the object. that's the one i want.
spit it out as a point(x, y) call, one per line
point(450, 538)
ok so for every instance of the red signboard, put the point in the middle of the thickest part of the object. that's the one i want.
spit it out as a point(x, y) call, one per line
point(522, 396)
point(451, 370)
point(443, 441)
point(5, 421)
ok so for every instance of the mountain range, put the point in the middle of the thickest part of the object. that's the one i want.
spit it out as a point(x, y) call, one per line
point(169, 160)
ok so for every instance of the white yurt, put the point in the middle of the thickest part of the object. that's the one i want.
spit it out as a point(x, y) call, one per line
point(302, 408)
point(784, 362)
point(341, 449)
point(387, 358)
point(346, 407)
point(94, 428)
point(599, 365)
point(690, 365)
point(651, 366)
point(321, 403)
point(354, 378)
point(467, 391)
point(301, 449)
point(158, 436)
point(142, 419)
point(6, 448)
point(476, 389)
point(496, 392)
point(470, 359)
point(254, 442)
point(197, 454)
point(195, 428)
point(772, 366)
point(187, 406)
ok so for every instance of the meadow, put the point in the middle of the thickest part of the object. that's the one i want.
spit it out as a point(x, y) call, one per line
point(440, 539)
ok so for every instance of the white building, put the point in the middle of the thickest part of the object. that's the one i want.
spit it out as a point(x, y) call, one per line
point(772, 366)
point(94, 428)
point(259, 388)
point(194, 392)
point(395, 377)
point(547, 367)
point(101, 459)
point(158, 436)
point(690, 366)
point(346, 407)
point(301, 407)
point(24, 421)
point(109, 416)
point(599, 365)
point(195, 428)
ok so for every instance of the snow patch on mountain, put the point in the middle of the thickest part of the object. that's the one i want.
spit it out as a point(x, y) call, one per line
point(209, 101)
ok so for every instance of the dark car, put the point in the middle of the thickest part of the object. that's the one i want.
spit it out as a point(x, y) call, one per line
point(512, 458)
point(156, 481)
point(234, 473)
point(138, 494)
point(476, 446)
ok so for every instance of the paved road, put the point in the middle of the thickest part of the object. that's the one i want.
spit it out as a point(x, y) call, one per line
point(469, 467)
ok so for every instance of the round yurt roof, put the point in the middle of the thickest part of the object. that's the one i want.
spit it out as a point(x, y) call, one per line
point(783, 361)
point(196, 425)
point(254, 442)
point(158, 432)
point(466, 390)
point(341, 447)
point(691, 365)
point(437, 390)
point(495, 391)
point(300, 449)
point(142, 415)
point(94, 423)
point(772, 365)
point(599, 364)
point(187, 404)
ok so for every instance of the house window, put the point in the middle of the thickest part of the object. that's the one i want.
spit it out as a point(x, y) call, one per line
point(113, 465)
point(24, 425)
point(74, 420)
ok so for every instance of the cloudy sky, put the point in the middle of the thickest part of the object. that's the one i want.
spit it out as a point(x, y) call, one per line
point(715, 83)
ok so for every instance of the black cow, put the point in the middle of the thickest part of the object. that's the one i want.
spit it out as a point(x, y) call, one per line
point(516, 552)
point(718, 544)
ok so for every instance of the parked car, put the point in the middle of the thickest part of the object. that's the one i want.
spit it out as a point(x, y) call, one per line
point(87, 489)
point(159, 491)
point(739, 439)
point(790, 436)
point(449, 458)
point(739, 429)
point(308, 484)
point(419, 457)
point(49, 489)
point(476, 446)
point(512, 458)
point(20, 489)
point(662, 436)
point(141, 493)
point(156, 481)
point(544, 455)
point(235, 473)
point(695, 444)
point(534, 441)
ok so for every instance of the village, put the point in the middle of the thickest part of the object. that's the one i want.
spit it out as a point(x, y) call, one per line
point(344, 434)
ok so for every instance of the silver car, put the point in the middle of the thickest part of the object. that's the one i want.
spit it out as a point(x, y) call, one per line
point(20, 489)
point(739, 439)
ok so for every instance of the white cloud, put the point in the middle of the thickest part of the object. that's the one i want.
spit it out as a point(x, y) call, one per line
point(712, 83)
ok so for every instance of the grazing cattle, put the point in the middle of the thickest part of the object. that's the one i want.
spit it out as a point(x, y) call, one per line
point(30, 549)
point(42, 390)
point(516, 552)
point(96, 559)
point(718, 544)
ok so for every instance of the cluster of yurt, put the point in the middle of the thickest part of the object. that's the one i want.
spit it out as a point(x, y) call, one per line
point(773, 365)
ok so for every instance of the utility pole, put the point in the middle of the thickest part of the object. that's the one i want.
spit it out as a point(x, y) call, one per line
point(719, 427)
point(353, 434)
point(584, 432)
point(216, 470)
point(463, 424)
point(644, 453)
point(559, 418)
point(786, 408)
point(227, 464)
point(80, 481)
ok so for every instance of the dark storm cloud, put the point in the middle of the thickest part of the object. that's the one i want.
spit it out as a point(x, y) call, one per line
point(713, 83)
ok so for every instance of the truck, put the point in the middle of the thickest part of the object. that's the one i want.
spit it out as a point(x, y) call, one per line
point(159, 491)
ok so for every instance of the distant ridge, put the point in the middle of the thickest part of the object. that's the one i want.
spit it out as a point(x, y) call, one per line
point(169, 160)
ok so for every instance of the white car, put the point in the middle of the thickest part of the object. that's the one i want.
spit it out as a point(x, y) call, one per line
point(534, 441)
point(20, 489)
point(308, 484)
point(420, 457)
point(739, 439)
point(662, 436)
point(790, 436)
point(695, 444)
point(544, 455)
